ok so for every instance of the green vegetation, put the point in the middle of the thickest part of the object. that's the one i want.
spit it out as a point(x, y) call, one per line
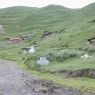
point(64, 48)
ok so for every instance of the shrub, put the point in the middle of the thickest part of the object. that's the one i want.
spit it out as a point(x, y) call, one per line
point(63, 54)
point(90, 49)
point(30, 61)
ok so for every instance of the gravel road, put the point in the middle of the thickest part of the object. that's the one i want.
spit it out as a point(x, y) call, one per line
point(15, 81)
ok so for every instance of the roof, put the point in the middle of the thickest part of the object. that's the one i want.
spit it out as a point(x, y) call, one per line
point(28, 47)
point(26, 35)
point(93, 38)
point(14, 38)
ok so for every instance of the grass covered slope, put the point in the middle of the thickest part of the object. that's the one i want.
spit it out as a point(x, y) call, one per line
point(24, 19)
point(64, 49)
point(76, 22)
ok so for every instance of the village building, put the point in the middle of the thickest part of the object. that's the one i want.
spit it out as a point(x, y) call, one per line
point(26, 37)
point(48, 33)
point(28, 50)
point(91, 40)
point(15, 40)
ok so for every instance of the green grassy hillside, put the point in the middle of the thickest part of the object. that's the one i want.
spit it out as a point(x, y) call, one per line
point(64, 49)
point(23, 20)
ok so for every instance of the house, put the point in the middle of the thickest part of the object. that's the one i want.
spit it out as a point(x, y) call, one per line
point(28, 49)
point(15, 40)
point(91, 40)
point(43, 61)
point(46, 34)
point(25, 37)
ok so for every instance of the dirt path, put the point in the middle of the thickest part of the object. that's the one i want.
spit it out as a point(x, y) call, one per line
point(14, 81)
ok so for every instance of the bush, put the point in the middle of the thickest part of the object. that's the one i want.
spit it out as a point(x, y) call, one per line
point(30, 61)
point(62, 55)
point(90, 49)
point(52, 55)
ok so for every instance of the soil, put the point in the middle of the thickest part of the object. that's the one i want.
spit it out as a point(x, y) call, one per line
point(15, 81)
point(78, 73)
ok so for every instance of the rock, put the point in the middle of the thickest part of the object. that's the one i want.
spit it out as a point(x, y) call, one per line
point(92, 73)
point(41, 89)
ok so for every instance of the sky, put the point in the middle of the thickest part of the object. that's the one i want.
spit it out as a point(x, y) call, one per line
point(42, 3)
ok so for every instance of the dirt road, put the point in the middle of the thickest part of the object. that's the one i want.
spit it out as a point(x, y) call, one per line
point(15, 81)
